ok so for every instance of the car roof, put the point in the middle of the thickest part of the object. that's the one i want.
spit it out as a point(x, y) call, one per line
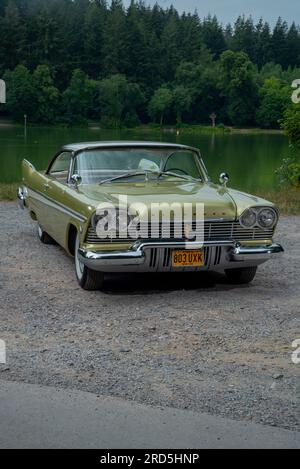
point(76, 147)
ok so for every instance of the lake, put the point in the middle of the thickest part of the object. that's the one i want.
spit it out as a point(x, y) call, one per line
point(250, 159)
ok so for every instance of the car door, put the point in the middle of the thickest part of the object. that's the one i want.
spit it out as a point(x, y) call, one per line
point(56, 217)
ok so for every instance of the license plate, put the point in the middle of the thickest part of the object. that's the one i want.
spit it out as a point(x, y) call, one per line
point(188, 258)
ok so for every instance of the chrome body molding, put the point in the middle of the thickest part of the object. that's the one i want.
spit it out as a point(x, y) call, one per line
point(56, 205)
point(156, 256)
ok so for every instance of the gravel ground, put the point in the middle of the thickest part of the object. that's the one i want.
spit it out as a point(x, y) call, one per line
point(184, 341)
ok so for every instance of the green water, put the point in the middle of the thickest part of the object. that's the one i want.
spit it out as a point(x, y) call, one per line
point(250, 160)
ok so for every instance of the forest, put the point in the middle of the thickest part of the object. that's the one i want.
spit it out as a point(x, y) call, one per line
point(71, 61)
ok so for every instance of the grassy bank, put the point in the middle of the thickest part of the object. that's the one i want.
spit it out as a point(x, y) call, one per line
point(8, 191)
point(288, 200)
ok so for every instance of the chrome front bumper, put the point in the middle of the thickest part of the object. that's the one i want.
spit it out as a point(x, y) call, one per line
point(21, 197)
point(232, 255)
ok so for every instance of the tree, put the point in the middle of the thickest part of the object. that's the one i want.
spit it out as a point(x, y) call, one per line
point(291, 124)
point(47, 95)
point(244, 38)
point(119, 101)
point(269, 70)
point(238, 85)
point(213, 36)
point(190, 37)
point(263, 47)
point(21, 93)
point(170, 43)
point(12, 37)
point(93, 37)
point(182, 101)
point(293, 47)
point(279, 42)
point(275, 98)
point(115, 47)
point(160, 103)
point(77, 97)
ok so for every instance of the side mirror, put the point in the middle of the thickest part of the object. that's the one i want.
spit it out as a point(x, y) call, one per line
point(224, 179)
point(76, 180)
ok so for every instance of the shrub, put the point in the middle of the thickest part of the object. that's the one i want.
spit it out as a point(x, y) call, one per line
point(289, 173)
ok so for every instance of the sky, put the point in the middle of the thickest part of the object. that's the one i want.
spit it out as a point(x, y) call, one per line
point(228, 10)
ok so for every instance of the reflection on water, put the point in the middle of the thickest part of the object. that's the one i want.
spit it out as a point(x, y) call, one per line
point(250, 160)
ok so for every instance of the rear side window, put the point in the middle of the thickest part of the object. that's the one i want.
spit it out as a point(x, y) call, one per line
point(60, 167)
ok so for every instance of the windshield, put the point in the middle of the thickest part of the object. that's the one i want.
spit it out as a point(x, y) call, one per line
point(99, 165)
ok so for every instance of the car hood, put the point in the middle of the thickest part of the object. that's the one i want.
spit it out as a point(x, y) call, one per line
point(218, 202)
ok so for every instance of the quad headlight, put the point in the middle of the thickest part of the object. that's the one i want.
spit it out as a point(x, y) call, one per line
point(249, 218)
point(267, 218)
point(264, 218)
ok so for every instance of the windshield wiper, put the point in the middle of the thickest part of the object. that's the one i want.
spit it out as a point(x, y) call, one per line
point(181, 176)
point(159, 174)
point(128, 175)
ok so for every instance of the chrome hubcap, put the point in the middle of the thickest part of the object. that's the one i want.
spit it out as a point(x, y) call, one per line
point(40, 231)
point(78, 264)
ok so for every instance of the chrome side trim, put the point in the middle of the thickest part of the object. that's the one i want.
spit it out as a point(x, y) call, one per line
point(29, 164)
point(63, 208)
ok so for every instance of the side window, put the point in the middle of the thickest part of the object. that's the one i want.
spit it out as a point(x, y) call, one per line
point(60, 167)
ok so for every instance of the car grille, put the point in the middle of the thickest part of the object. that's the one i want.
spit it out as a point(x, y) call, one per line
point(213, 231)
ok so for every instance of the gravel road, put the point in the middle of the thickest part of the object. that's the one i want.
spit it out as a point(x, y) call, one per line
point(184, 341)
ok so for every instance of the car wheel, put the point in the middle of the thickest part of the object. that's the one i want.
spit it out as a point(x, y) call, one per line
point(88, 279)
point(241, 276)
point(44, 237)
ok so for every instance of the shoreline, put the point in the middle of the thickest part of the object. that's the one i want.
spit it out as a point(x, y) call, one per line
point(185, 128)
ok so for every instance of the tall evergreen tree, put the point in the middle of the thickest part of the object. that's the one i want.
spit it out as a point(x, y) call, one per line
point(244, 38)
point(279, 42)
point(213, 36)
point(293, 47)
point(93, 37)
point(12, 37)
point(116, 55)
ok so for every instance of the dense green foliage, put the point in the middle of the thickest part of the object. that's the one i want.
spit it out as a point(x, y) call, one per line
point(289, 171)
point(73, 60)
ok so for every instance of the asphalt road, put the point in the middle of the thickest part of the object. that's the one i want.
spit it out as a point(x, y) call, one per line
point(190, 342)
point(46, 418)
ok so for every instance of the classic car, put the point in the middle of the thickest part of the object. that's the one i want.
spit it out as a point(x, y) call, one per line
point(237, 229)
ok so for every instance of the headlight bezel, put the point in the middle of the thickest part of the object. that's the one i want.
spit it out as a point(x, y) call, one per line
point(257, 211)
point(275, 219)
point(252, 225)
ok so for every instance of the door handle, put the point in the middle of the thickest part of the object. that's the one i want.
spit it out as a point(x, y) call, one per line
point(46, 186)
